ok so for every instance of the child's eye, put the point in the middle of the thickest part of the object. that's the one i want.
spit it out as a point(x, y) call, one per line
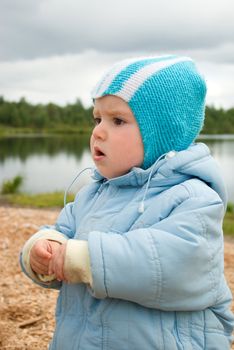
point(118, 121)
point(97, 120)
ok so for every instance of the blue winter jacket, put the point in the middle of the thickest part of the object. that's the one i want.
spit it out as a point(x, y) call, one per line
point(158, 272)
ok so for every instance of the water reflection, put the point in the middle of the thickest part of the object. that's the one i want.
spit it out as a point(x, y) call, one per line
point(50, 163)
point(24, 147)
point(47, 164)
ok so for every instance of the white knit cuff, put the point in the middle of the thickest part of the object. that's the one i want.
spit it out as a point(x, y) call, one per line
point(77, 267)
point(49, 234)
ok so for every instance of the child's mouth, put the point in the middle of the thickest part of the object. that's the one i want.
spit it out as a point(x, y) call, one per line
point(98, 154)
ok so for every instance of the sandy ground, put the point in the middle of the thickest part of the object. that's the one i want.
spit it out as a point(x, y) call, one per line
point(26, 311)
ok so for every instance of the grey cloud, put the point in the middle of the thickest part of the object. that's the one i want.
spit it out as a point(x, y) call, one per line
point(31, 29)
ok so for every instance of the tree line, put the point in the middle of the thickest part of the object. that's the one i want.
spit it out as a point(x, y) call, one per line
point(23, 114)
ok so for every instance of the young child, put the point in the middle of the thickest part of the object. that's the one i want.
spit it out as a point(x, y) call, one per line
point(138, 256)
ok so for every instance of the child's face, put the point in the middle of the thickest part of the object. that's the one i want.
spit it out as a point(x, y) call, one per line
point(116, 144)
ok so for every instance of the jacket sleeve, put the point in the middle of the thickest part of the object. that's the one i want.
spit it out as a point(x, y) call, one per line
point(66, 220)
point(176, 264)
point(60, 232)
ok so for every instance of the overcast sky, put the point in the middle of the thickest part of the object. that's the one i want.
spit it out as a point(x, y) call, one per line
point(56, 50)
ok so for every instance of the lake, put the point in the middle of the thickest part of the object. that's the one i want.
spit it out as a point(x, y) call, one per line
point(49, 163)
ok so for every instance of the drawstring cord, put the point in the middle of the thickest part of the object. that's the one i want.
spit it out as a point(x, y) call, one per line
point(141, 207)
point(167, 156)
point(69, 187)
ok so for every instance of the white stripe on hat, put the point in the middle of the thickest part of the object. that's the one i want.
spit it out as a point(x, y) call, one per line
point(108, 78)
point(138, 78)
point(100, 88)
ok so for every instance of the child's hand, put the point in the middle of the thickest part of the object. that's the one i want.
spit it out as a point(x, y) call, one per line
point(56, 264)
point(41, 254)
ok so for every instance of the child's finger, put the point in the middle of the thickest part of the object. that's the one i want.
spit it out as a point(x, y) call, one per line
point(39, 268)
point(39, 263)
point(40, 260)
point(50, 268)
point(56, 262)
point(60, 273)
point(57, 269)
point(42, 249)
point(40, 257)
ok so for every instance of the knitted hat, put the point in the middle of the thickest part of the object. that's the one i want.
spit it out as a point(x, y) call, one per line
point(167, 97)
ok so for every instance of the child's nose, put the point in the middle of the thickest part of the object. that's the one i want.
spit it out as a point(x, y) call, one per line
point(100, 132)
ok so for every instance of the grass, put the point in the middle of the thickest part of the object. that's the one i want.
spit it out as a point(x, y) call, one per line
point(41, 200)
point(228, 224)
point(12, 186)
point(55, 200)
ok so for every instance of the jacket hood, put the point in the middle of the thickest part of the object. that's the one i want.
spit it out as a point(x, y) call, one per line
point(197, 162)
point(194, 162)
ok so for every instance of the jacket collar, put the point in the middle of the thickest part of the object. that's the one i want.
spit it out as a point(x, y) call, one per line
point(194, 162)
point(135, 177)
